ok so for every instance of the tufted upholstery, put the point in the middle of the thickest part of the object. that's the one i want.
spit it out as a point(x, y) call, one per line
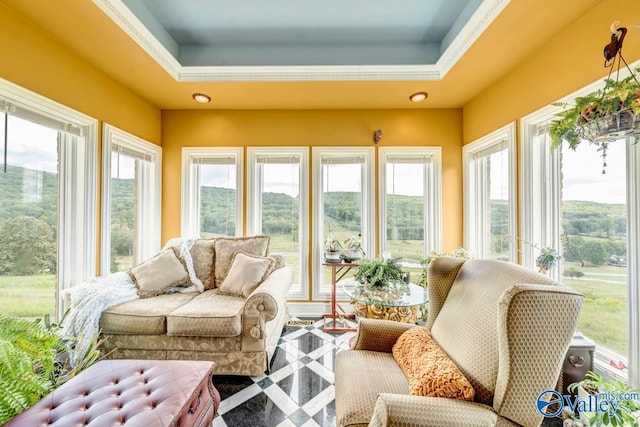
point(506, 327)
point(130, 393)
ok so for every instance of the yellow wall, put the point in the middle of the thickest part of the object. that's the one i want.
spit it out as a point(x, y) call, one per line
point(33, 60)
point(233, 128)
point(570, 61)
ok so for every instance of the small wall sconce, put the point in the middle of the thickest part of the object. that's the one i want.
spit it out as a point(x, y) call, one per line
point(377, 136)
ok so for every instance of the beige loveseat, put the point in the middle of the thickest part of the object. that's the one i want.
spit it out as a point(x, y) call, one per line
point(238, 332)
point(506, 328)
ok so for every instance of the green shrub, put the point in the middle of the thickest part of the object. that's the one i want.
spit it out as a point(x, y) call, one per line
point(573, 273)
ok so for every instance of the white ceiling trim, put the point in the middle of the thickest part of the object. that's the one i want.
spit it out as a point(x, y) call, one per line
point(477, 24)
point(131, 25)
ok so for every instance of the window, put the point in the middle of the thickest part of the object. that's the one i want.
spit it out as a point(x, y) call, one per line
point(490, 195)
point(212, 192)
point(131, 188)
point(277, 205)
point(589, 217)
point(47, 201)
point(343, 199)
point(410, 203)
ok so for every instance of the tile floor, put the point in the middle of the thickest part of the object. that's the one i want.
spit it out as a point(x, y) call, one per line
point(299, 391)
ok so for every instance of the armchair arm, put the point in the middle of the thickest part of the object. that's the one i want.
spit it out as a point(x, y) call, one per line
point(378, 335)
point(262, 305)
point(407, 410)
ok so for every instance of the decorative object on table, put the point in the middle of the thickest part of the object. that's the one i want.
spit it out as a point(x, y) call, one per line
point(400, 302)
point(379, 271)
point(606, 115)
point(352, 249)
point(456, 253)
point(624, 414)
point(332, 248)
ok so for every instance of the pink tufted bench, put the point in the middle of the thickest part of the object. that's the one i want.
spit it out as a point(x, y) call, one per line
point(141, 393)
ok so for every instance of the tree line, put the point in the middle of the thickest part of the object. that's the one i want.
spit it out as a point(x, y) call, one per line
point(592, 231)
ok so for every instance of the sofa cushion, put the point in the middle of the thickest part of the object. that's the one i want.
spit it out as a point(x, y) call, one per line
point(428, 368)
point(142, 316)
point(247, 272)
point(226, 247)
point(159, 273)
point(209, 314)
point(202, 256)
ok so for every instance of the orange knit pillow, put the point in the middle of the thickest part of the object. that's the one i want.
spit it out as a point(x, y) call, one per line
point(428, 368)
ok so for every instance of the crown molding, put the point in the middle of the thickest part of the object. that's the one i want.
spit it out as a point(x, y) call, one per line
point(131, 25)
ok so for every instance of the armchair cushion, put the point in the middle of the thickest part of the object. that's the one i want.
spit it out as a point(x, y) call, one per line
point(247, 272)
point(157, 274)
point(428, 368)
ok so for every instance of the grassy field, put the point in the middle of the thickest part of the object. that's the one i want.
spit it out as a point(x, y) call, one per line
point(28, 296)
point(604, 312)
point(603, 318)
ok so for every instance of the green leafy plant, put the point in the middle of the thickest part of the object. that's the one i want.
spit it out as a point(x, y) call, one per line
point(617, 95)
point(456, 253)
point(379, 271)
point(33, 362)
point(331, 244)
point(623, 415)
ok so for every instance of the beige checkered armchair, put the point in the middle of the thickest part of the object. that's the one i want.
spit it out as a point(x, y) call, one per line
point(506, 327)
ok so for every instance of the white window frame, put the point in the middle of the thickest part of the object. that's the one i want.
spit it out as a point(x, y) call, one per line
point(474, 189)
point(540, 219)
point(77, 189)
point(190, 208)
point(322, 291)
point(254, 206)
point(148, 189)
point(432, 193)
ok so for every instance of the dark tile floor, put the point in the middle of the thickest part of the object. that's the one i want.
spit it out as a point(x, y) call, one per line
point(299, 390)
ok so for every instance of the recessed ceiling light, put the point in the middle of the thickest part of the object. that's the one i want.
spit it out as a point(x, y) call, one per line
point(418, 96)
point(201, 98)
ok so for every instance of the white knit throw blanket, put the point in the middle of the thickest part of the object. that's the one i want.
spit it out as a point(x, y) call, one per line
point(92, 297)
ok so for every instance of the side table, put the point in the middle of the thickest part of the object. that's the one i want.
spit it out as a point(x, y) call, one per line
point(577, 362)
point(336, 320)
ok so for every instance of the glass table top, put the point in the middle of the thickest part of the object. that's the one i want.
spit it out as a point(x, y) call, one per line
point(392, 295)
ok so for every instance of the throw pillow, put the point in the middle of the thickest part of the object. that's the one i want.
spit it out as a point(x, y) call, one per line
point(202, 255)
point(247, 272)
point(157, 274)
point(428, 368)
point(224, 248)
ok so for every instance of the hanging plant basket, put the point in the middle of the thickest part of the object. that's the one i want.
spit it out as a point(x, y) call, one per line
point(606, 115)
point(611, 127)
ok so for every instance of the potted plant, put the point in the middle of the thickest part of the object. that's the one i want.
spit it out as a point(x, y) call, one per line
point(379, 272)
point(352, 249)
point(332, 248)
point(599, 117)
point(604, 115)
point(623, 413)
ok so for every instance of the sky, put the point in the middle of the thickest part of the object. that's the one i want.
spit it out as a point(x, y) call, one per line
point(34, 146)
